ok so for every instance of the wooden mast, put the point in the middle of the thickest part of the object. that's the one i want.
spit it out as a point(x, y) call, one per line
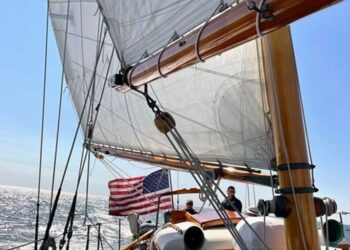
point(289, 136)
point(231, 29)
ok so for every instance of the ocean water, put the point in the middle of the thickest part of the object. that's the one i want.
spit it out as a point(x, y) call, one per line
point(18, 212)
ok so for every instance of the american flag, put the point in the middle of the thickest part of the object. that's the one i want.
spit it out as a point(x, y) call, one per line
point(139, 194)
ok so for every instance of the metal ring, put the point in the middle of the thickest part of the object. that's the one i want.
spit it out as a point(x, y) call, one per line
point(158, 63)
point(133, 68)
point(297, 190)
point(172, 38)
point(297, 165)
point(196, 45)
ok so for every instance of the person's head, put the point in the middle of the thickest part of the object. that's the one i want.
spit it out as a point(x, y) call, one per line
point(231, 191)
point(189, 204)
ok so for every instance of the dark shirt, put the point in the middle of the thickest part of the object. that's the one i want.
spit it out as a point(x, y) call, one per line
point(227, 204)
point(191, 211)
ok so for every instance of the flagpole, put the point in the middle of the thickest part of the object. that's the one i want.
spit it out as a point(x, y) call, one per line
point(171, 188)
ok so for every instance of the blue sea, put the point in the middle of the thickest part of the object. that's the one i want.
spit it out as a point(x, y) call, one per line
point(18, 212)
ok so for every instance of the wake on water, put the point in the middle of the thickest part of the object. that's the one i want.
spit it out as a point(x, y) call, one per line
point(18, 212)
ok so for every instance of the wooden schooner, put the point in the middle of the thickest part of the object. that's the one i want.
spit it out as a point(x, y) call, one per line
point(205, 87)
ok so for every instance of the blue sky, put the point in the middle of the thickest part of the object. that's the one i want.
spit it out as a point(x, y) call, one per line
point(323, 60)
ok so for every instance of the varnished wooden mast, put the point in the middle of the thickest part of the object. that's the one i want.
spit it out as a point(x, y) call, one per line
point(289, 135)
point(234, 27)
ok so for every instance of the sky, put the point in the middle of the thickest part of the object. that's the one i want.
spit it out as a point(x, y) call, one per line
point(323, 61)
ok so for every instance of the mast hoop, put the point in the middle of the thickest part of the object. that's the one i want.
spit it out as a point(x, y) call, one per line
point(297, 190)
point(221, 7)
point(128, 79)
point(299, 165)
point(174, 37)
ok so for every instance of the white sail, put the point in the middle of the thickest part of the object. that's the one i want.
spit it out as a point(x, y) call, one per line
point(144, 25)
point(219, 106)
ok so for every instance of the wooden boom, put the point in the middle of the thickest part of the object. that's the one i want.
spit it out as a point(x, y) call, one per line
point(225, 171)
point(233, 27)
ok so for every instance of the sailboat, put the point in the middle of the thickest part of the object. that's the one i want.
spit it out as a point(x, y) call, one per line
point(205, 87)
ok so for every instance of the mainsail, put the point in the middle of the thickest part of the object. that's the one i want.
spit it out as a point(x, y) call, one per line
point(146, 26)
point(219, 106)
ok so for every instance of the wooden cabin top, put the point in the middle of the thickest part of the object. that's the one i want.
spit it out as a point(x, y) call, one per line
point(205, 220)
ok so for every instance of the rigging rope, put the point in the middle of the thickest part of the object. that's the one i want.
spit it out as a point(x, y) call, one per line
point(98, 235)
point(327, 229)
point(93, 166)
point(32, 242)
point(145, 54)
point(60, 104)
point(88, 132)
point(42, 130)
point(87, 186)
point(55, 237)
point(307, 139)
point(87, 237)
point(134, 165)
point(267, 122)
point(152, 104)
point(131, 123)
point(101, 235)
point(203, 180)
point(52, 214)
point(120, 58)
point(70, 218)
point(90, 128)
point(113, 171)
point(165, 123)
point(257, 19)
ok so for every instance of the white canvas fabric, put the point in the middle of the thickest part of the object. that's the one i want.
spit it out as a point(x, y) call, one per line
point(218, 105)
point(144, 25)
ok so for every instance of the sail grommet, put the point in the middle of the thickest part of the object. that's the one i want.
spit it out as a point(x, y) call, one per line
point(164, 122)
